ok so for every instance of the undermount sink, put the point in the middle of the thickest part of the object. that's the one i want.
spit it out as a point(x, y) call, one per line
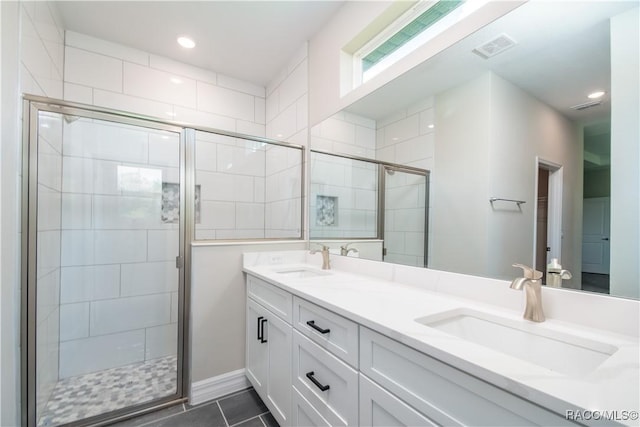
point(300, 273)
point(558, 351)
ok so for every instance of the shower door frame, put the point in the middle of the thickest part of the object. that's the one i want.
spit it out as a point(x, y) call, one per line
point(384, 168)
point(31, 108)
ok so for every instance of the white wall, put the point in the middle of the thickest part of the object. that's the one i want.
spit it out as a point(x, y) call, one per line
point(32, 57)
point(488, 134)
point(625, 154)
point(345, 133)
point(460, 179)
point(218, 307)
point(9, 243)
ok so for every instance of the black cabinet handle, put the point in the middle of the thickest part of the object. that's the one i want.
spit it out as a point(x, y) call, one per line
point(259, 334)
point(312, 323)
point(262, 322)
point(315, 381)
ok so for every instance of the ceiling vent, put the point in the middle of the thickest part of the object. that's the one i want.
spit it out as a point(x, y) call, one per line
point(586, 105)
point(495, 46)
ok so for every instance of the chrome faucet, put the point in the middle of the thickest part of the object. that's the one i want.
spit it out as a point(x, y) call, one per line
point(326, 262)
point(344, 250)
point(532, 284)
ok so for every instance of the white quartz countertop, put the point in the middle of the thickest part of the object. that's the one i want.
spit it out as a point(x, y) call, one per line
point(391, 308)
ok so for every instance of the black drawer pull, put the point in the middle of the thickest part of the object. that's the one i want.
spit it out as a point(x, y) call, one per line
point(262, 339)
point(259, 338)
point(312, 323)
point(315, 381)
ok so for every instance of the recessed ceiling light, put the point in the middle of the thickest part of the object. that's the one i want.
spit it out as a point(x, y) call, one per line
point(171, 114)
point(431, 126)
point(279, 135)
point(175, 80)
point(186, 42)
point(596, 95)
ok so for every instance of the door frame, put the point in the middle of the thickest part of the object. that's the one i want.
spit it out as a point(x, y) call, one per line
point(554, 208)
point(32, 105)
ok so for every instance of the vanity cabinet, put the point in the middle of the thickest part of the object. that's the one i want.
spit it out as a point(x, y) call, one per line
point(442, 393)
point(313, 367)
point(268, 344)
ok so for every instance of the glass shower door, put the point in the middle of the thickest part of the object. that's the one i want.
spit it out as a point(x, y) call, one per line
point(106, 198)
point(405, 216)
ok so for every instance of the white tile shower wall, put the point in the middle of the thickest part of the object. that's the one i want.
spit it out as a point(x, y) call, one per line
point(354, 185)
point(110, 75)
point(231, 174)
point(286, 114)
point(346, 133)
point(41, 57)
point(407, 137)
point(118, 278)
point(41, 49)
point(283, 192)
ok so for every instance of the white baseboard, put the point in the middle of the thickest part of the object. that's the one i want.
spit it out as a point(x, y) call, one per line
point(215, 387)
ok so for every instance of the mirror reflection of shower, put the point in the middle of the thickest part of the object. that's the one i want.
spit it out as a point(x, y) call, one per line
point(381, 207)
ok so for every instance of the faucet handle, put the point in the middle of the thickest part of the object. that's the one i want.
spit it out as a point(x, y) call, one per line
point(529, 273)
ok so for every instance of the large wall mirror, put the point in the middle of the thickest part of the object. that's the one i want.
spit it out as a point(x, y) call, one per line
point(520, 157)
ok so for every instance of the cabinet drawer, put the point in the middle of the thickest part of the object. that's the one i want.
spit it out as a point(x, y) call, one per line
point(275, 299)
point(303, 414)
point(379, 408)
point(314, 369)
point(330, 331)
point(446, 395)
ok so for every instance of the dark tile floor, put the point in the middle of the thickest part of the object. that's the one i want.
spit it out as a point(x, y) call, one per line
point(241, 409)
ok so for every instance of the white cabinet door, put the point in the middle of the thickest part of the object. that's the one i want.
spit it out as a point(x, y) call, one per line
point(277, 333)
point(257, 355)
point(269, 359)
point(379, 408)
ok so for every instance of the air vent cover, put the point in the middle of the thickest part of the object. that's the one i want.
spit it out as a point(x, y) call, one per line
point(495, 46)
point(586, 105)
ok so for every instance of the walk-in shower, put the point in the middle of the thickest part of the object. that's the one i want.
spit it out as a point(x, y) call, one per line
point(102, 278)
point(111, 205)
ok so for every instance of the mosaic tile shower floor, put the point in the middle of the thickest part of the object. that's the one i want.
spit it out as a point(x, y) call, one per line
point(92, 394)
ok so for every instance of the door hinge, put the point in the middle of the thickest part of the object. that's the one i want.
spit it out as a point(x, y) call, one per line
point(179, 262)
point(384, 251)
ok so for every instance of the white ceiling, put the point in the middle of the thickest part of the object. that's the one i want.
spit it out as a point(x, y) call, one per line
point(248, 40)
point(562, 55)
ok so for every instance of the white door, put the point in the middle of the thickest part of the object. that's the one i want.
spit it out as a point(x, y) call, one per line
point(595, 235)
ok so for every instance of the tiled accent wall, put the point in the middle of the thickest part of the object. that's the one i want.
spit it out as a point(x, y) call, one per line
point(119, 299)
point(48, 253)
point(110, 75)
point(352, 187)
point(346, 133)
point(407, 138)
point(41, 66)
